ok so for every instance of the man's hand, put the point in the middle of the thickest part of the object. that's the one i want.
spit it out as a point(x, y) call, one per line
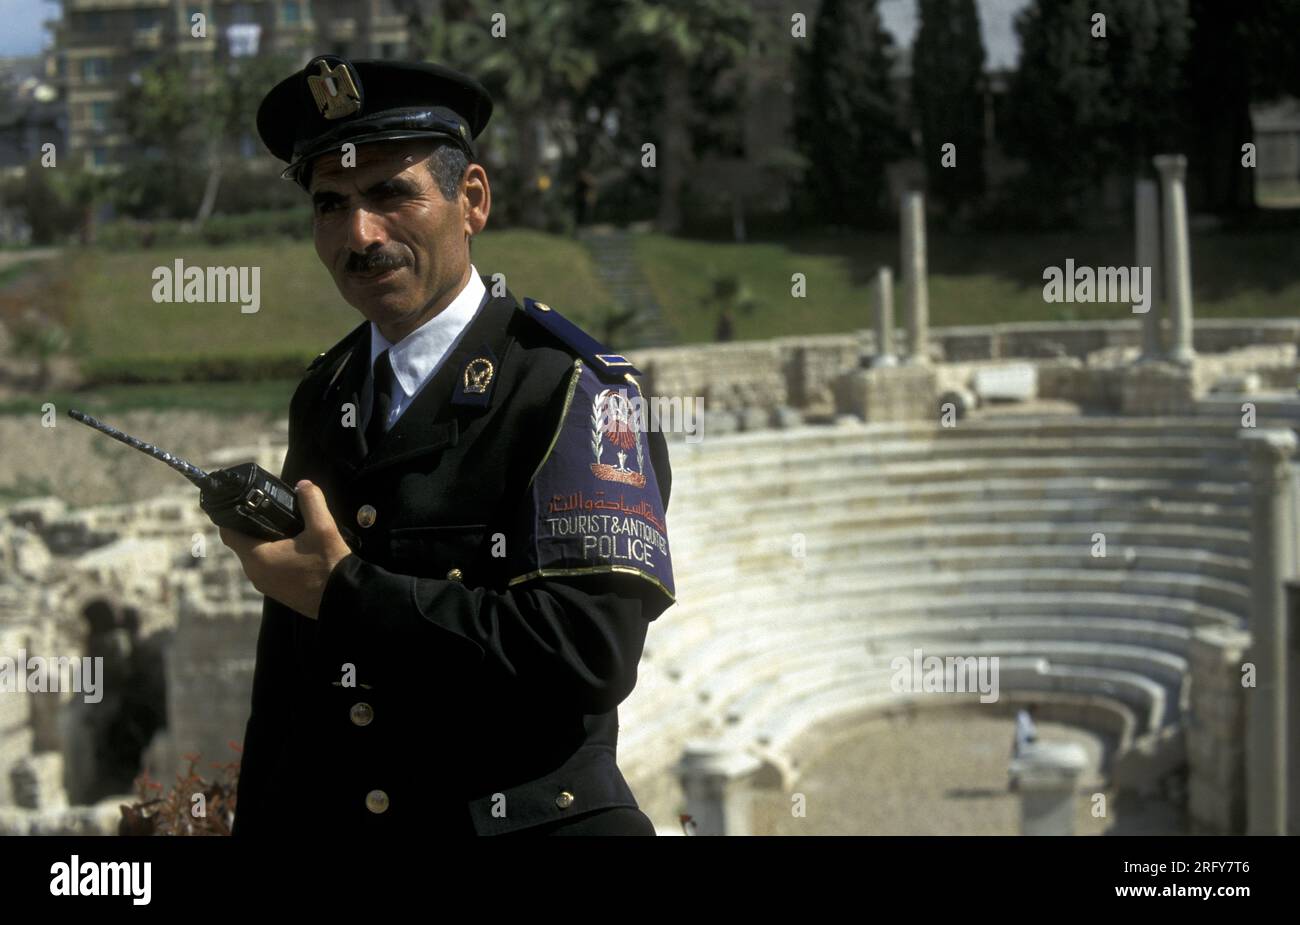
point(294, 571)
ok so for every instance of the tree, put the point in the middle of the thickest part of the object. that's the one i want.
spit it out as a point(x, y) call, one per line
point(532, 72)
point(184, 128)
point(680, 33)
point(948, 97)
point(1082, 106)
point(846, 116)
point(1241, 53)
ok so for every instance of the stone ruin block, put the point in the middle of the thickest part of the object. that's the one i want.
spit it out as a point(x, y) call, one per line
point(1157, 388)
point(1012, 382)
point(889, 393)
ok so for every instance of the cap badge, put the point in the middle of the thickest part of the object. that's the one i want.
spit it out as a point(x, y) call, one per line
point(477, 375)
point(334, 90)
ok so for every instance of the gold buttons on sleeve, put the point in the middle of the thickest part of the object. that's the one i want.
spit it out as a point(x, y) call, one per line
point(455, 575)
point(564, 800)
point(377, 801)
point(366, 515)
point(362, 713)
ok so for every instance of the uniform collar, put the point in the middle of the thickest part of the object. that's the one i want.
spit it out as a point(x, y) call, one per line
point(432, 419)
point(417, 355)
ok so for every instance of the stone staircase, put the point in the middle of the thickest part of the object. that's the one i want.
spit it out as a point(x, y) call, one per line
point(614, 252)
point(966, 542)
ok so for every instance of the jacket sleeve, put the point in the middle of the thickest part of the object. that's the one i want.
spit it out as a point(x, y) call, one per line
point(589, 558)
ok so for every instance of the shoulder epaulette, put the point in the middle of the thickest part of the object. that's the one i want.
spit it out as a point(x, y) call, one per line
point(605, 364)
point(338, 349)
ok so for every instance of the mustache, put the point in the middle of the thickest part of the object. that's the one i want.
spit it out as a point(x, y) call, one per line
point(376, 260)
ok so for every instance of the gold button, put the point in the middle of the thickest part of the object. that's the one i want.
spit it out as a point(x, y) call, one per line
point(377, 801)
point(542, 306)
point(564, 800)
point(455, 575)
point(366, 515)
point(362, 713)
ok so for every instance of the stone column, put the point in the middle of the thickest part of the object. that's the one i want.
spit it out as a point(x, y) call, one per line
point(914, 278)
point(1047, 776)
point(884, 319)
point(1272, 558)
point(716, 782)
point(1178, 263)
point(1293, 707)
point(1146, 226)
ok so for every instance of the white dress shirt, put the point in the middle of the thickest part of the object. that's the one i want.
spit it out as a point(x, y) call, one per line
point(418, 355)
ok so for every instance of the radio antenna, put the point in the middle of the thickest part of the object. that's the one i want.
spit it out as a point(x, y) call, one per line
point(185, 468)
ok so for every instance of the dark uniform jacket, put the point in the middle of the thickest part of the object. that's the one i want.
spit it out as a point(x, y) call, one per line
point(509, 553)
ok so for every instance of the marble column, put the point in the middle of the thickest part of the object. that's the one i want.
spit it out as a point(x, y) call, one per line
point(1146, 226)
point(717, 785)
point(1272, 558)
point(1047, 777)
point(1178, 261)
point(914, 278)
point(884, 319)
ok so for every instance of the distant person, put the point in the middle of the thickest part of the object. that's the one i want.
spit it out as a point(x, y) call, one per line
point(726, 329)
point(1026, 731)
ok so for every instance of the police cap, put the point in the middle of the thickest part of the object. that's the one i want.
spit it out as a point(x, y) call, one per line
point(334, 101)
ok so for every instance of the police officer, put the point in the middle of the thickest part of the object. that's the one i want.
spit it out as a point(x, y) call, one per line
point(444, 647)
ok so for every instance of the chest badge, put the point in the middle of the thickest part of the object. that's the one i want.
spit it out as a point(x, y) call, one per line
point(478, 376)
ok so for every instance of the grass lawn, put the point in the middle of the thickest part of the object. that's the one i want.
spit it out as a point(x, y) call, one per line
point(977, 279)
point(973, 279)
point(269, 396)
point(114, 315)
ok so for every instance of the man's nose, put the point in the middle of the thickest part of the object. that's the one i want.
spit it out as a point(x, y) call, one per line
point(364, 230)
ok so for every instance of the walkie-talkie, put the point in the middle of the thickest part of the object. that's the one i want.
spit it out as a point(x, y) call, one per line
point(246, 497)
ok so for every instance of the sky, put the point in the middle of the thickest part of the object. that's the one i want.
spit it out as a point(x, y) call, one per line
point(23, 34)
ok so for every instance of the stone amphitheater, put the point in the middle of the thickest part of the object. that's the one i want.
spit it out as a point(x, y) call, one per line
point(1107, 512)
point(833, 517)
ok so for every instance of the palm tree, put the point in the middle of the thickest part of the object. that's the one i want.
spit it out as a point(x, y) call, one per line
point(680, 31)
point(533, 70)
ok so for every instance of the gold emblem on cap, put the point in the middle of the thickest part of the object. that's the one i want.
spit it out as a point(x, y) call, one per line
point(335, 91)
point(477, 375)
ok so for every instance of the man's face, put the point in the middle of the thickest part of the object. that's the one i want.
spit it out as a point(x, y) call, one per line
point(398, 251)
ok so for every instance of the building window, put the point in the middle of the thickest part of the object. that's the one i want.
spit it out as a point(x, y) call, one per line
point(146, 19)
point(291, 12)
point(387, 50)
point(93, 70)
point(99, 156)
point(99, 114)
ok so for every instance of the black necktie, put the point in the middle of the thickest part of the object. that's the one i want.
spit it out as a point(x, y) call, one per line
point(381, 401)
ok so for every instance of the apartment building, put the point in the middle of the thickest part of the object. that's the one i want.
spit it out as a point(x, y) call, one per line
point(101, 46)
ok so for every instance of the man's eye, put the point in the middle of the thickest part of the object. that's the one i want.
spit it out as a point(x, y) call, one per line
point(323, 207)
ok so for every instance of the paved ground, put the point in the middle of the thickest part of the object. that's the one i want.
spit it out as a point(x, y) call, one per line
point(935, 773)
point(9, 258)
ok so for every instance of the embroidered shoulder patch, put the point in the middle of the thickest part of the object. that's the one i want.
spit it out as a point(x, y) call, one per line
point(594, 504)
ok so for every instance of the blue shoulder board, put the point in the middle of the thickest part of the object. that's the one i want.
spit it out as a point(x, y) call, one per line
point(605, 364)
